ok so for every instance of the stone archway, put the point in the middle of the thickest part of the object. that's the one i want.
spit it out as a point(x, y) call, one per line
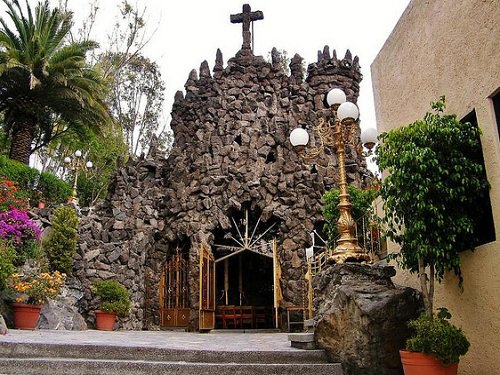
point(245, 270)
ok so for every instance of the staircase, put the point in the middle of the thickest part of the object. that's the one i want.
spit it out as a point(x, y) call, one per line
point(30, 358)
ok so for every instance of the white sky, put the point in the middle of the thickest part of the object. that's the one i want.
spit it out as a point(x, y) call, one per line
point(190, 31)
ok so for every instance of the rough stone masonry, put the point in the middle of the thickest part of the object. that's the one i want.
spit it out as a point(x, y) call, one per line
point(231, 151)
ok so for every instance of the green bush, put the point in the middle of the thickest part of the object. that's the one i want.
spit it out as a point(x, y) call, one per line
point(53, 189)
point(25, 176)
point(60, 245)
point(113, 297)
point(33, 184)
point(7, 257)
point(438, 337)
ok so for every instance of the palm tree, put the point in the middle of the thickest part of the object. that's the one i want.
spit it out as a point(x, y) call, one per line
point(46, 86)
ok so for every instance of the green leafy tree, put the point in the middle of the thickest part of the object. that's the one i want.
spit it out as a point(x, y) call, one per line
point(434, 181)
point(48, 88)
point(60, 245)
point(361, 201)
point(103, 149)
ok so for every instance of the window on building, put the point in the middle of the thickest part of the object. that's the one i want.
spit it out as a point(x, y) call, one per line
point(496, 106)
point(485, 229)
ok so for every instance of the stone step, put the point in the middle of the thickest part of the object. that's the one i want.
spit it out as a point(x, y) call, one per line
point(61, 366)
point(130, 353)
point(302, 340)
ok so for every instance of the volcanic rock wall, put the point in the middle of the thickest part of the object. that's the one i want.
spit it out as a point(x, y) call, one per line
point(231, 149)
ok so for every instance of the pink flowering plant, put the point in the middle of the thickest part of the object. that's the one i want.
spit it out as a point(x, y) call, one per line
point(22, 232)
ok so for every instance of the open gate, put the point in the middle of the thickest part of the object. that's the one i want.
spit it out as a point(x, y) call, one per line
point(174, 298)
point(207, 290)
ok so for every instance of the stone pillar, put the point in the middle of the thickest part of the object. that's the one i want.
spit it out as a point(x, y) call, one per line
point(361, 317)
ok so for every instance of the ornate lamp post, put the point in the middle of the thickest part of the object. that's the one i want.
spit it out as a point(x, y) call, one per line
point(336, 134)
point(76, 165)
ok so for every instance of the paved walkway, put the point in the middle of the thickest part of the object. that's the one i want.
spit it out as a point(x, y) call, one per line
point(215, 341)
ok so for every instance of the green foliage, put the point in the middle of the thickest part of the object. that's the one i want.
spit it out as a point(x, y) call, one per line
point(136, 100)
point(47, 85)
point(25, 177)
point(34, 185)
point(113, 297)
point(60, 245)
point(7, 257)
point(434, 179)
point(361, 201)
point(53, 189)
point(436, 336)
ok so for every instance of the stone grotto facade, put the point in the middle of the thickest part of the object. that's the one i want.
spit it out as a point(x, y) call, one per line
point(231, 184)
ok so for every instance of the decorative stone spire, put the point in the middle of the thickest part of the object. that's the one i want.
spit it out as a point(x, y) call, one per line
point(219, 61)
point(204, 70)
point(296, 67)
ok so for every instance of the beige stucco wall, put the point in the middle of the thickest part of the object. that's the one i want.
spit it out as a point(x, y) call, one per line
point(452, 48)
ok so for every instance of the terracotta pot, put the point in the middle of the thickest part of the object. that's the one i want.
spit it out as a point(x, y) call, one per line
point(41, 204)
point(424, 364)
point(105, 321)
point(25, 315)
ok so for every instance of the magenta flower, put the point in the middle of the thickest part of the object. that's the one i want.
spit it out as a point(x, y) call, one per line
point(17, 227)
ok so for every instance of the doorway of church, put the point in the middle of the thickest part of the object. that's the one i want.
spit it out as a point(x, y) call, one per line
point(245, 291)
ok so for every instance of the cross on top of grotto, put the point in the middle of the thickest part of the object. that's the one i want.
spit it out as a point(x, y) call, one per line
point(245, 18)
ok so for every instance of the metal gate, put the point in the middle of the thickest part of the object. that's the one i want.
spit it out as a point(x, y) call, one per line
point(174, 298)
point(207, 290)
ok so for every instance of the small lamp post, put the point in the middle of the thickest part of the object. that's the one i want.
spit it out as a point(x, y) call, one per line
point(76, 165)
point(336, 134)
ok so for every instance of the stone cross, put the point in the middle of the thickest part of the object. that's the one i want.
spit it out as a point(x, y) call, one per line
point(246, 17)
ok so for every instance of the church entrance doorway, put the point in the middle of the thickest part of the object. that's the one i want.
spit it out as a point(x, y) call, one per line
point(247, 274)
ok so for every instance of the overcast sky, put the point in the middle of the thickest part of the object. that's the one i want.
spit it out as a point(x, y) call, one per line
point(190, 31)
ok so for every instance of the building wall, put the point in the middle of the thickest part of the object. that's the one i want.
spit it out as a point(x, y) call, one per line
point(449, 47)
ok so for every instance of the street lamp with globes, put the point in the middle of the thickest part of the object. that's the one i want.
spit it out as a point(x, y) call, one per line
point(76, 165)
point(337, 133)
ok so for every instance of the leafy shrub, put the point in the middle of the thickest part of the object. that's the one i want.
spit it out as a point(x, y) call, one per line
point(113, 297)
point(7, 257)
point(438, 337)
point(22, 232)
point(53, 189)
point(36, 287)
point(60, 245)
point(25, 176)
point(32, 184)
point(10, 196)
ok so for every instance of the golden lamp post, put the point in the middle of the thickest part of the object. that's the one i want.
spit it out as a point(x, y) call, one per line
point(76, 165)
point(336, 133)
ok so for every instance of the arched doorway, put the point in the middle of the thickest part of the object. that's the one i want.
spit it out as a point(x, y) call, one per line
point(247, 273)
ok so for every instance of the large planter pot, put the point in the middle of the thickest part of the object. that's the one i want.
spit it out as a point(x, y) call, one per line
point(424, 364)
point(105, 321)
point(25, 315)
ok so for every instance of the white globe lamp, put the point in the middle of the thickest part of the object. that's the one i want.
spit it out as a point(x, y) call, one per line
point(335, 96)
point(369, 138)
point(299, 137)
point(348, 110)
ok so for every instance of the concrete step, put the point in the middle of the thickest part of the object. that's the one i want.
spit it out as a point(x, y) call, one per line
point(48, 352)
point(130, 353)
point(72, 366)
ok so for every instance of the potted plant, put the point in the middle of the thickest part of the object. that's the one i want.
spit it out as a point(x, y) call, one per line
point(32, 290)
point(113, 300)
point(436, 343)
point(431, 209)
